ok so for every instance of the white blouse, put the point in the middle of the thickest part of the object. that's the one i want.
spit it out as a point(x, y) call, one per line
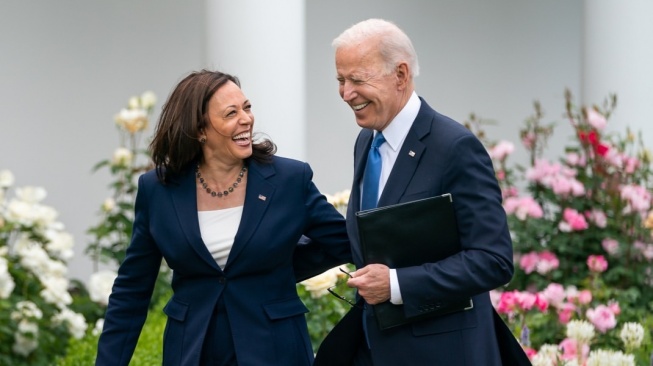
point(218, 229)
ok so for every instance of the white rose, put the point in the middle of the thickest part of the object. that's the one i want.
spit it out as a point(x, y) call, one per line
point(148, 99)
point(6, 178)
point(26, 310)
point(132, 120)
point(32, 256)
point(75, 323)
point(319, 284)
point(45, 216)
point(632, 334)
point(122, 157)
point(100, 286)
point(31, 194)
point(56, 291)
point(133, 103)
point(99, 325)
point(108, 205)
point(580, 330)
point(24, 345)
point(60, 244)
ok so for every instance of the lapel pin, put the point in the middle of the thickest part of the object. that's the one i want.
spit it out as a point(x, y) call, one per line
point(411, 153)
point(262, 197)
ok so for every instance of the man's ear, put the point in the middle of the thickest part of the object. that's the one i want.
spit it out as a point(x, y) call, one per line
point(402, 75)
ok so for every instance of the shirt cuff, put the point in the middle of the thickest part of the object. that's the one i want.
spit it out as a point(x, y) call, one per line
point(395, 293)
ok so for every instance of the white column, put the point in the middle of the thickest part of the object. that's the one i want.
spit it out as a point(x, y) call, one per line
point(262, 42)
point(618, 58)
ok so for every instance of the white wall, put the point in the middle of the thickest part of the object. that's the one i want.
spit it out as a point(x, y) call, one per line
point(67, 67)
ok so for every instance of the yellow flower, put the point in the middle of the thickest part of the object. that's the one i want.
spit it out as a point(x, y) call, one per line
point(649, 221)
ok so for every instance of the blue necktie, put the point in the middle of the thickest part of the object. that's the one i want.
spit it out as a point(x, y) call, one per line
point(372, 174)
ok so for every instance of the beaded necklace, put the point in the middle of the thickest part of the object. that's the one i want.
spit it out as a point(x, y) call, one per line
point(223, 193)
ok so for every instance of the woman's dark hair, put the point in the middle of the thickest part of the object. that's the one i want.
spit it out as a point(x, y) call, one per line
point(184, 115)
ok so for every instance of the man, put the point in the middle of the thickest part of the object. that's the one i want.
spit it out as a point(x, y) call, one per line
point(423, 154)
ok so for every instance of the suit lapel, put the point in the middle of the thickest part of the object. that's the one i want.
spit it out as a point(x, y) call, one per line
point(408, 159)
point(184, 198)
point(257, 199)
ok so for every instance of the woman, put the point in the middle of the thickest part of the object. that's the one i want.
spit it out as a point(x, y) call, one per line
point(227, 216)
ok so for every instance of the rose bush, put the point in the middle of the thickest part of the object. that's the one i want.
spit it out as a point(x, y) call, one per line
point(581, 228)
point(37, 316)
point(112, 234)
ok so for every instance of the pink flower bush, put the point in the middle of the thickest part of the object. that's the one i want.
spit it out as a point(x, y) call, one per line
point(567, 219)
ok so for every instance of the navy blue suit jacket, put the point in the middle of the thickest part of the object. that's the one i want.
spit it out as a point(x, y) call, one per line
point(257, 285)
point(439, 156)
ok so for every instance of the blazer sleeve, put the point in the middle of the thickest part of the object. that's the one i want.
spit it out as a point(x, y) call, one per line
point(485, 261)
point(132, 290)
point(324, 243)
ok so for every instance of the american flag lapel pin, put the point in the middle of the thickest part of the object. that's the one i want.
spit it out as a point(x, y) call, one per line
point(262, 197)
point(411, 153)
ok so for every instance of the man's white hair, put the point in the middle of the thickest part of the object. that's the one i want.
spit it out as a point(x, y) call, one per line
point(394, 44)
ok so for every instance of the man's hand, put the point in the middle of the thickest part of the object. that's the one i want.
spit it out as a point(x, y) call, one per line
point(372, 282)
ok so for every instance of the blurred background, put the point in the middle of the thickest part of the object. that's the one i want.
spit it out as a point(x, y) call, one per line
point(68, 67)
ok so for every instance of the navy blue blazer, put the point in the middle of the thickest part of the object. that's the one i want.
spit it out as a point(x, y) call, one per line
point(257, 285)
point(439, 155)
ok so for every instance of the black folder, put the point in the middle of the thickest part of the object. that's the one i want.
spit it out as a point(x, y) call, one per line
point(410, 234)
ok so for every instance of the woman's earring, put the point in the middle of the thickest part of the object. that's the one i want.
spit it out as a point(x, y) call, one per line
point(203, 140)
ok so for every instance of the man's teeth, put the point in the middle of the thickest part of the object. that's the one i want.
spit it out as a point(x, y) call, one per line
point(360, 106)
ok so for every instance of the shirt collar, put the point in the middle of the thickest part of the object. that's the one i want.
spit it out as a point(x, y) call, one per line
point(397, 129)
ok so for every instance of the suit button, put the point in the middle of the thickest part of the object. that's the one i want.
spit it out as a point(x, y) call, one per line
point(222, 280)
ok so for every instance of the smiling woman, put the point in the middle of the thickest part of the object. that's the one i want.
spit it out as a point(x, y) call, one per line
point(227, 215)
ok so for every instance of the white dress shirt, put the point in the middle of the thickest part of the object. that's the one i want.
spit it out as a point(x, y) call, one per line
point(395, 134)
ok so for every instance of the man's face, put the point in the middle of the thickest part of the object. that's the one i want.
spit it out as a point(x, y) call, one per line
point(372, 93)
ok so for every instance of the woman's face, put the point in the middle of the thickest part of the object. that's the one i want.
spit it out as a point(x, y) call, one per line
point(229, 133)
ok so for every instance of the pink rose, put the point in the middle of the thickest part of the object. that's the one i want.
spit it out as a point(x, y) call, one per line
point(528, 139)
point(596, 119)
point(602, 317)
point(501, 150)
point(507, 302)
point(610, 245)
point(614, 307)
point(569, 349)
point(597, 263)
point(547, 262)
point(566, 312)
point(525, 300)
point(572, 221)
point(584, 297)
point(554, 293)
point(528, 262)
point(541, 303)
